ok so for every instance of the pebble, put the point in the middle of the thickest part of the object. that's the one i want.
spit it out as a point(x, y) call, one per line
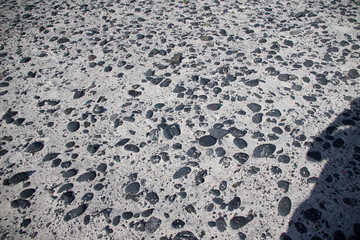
point(257, 118)
point(17, 178)
point(92, 148)
point(35, 147)
point(238, 222)
point(132, 188)
point(240, 143)
point(264, 150)
point(207, 141)
point(132, 148)
point(178, 223)
point(218, 133)
point(87, 177)
point(213, 106)
point(73, 126)
point(76, 212)
point(185, 235)
point(181, 172)
point(221, 224)
point(193, 153)
point(314, 155)
point(284, 206)
point(152, 198)
point(27, 193)
point(241, 157)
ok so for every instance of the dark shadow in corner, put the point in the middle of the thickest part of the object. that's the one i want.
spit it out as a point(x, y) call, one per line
point(333, 209)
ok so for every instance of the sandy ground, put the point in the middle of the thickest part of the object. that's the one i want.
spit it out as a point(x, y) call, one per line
point(180, 120)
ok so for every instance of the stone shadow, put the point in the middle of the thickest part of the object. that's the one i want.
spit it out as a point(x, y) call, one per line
point(333, 209)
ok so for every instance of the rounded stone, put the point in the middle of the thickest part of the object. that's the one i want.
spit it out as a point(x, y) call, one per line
point(73, 126)
point(207, 141)
point(284, 206)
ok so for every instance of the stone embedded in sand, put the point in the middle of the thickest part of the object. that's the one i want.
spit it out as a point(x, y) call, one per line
point(35, 147)
point(304, 172)
point(152, 225)
point(92, 148)
point(353, 74)
point(284, 206)
point(213, 106)
point(283, 185)
point(50, 156)
point(185, 235)
point(70, 173)
point(76, 212)
point(133, 188)
point(254, 107)
point(152, 198)
point(20, 203)
point(238, 222)
point(27, 193)
point(193, 153)
point(87, 177)
point(181, 172)
point(240, 143)
point(207, 141)
point(264, 150)
point(221, 224)
point(78, 94)
point(18, 177)
point(234, 204)
point(131, 148)
point(178, 223)
point(73, 126)
point(218, 133)
point(257, 118)
point(241, 157)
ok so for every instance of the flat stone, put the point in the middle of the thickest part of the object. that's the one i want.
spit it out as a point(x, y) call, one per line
point(76, 212)
point(181, 172)
point(35, 147)
point(152, 225)
point(207, 141)
point(218, 133)
point(264, 150)
point(284, 206)
point(240, 143)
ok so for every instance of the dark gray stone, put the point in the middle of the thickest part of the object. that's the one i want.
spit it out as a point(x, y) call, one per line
point(264, 150)
point(76, 212)
point(284, 206)
point(218, 133)
point(35, 147)
point(207, 141)
point(133, 188)
point(181, 172)
point(240, 143)
point(73, 126)
point(87, 177)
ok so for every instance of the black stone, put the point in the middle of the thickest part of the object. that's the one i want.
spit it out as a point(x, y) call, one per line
point(50, 156)
point(152, 225)
point(92, 148)
point(185, 235)
point(87, 177)
point(257, 118)
point(20, 203)
point(181, 172)
point(76, 212)
point(218, 133)
point(27, 193)
point(264, 150)
point(234, 204)
point(35, 147)
point(284, 159)
point(284, 185)
point(241, 157)
point(207, 141)
point(178, 223)
point(304, 172)
point(152, 198)
point(133, 188)
point(73, 126)
point(214, 106)
point(284, 206)
point(193, 153)
point(240, 143)
point(132, 148)
point(70, 173)
point(238, 222)
point(221, 224)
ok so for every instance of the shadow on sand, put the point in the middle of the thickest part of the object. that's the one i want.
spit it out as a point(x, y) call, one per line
point(333, 209)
